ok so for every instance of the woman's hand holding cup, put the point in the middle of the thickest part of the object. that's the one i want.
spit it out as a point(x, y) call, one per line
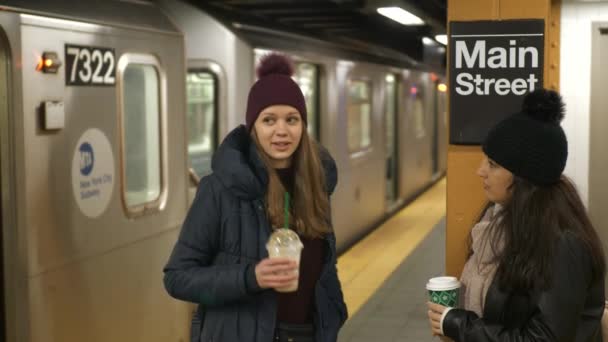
point(276, 272)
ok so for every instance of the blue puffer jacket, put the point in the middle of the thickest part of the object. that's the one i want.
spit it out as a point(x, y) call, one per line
point(221, 241)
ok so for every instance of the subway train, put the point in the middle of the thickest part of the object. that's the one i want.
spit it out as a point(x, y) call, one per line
point(109, 115)
point(385, 125)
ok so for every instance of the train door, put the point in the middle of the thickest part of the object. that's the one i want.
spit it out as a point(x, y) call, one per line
point(435, 138)
point(390, 124)
point(439, 126)
point(421, 129)
point(442, 129)
point(203, 81)
point(598, 159)
point(3, 165)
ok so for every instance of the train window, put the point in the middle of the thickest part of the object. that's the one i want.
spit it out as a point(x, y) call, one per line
point(307, 77)
point(141, 108)
point(202, 108)
point(359, 111)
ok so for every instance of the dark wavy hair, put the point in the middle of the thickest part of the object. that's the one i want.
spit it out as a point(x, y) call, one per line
point(523, 235)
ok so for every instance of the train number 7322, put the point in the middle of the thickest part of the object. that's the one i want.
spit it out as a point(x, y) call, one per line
point(89, 66)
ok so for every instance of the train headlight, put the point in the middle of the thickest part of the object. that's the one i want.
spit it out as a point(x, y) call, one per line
point(49, 63)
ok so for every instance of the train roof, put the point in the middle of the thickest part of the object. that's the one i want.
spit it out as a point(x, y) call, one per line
point(345, 29)
point(272, 38)
point(121, 13)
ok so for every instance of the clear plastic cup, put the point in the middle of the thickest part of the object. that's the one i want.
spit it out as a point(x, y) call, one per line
point(285, 243)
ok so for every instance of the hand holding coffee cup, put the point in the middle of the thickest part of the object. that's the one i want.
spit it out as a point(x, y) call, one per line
point(276, 272)
point(284, 244)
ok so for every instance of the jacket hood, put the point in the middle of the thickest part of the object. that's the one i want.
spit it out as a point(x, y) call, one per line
point(239, 168)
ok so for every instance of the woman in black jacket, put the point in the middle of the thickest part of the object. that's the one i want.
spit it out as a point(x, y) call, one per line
point(220, 260)
point(536, 266)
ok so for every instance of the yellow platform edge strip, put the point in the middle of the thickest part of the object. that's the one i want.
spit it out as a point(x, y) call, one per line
point(366, 266)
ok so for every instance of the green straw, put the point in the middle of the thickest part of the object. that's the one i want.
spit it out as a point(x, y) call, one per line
point(286, 209)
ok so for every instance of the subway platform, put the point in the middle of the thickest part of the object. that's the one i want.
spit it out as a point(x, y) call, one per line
point(384, 275)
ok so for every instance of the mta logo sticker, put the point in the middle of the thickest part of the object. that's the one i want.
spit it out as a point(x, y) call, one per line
point(92, 172)
point(87, 159)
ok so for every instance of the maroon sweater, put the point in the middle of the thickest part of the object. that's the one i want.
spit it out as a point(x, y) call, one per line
point(298, 307)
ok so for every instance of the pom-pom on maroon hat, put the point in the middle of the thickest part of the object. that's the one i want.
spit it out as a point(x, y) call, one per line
point(274, 87)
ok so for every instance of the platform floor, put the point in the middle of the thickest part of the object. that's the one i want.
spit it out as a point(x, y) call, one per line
point(384, 275)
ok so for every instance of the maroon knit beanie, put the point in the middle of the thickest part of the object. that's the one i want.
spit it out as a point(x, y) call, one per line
point(274, 87)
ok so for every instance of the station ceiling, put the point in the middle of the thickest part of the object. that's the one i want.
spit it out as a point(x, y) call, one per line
point(343, 21)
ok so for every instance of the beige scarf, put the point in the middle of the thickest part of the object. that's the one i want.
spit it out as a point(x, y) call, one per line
point(479, 272)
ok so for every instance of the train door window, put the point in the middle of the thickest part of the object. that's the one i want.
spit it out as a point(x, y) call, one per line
point(390, 115)
point(359, 115)
point(141, 127)
point(201, 86)
point(307, 77)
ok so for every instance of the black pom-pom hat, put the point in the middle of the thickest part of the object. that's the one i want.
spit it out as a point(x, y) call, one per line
point(274, 87)
point(532, 144)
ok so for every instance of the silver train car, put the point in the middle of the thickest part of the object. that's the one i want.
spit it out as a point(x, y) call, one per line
point(109, 115)
point(93, 171)
point(385, 125)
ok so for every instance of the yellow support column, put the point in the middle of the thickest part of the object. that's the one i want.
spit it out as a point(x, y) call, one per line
point(465, 196)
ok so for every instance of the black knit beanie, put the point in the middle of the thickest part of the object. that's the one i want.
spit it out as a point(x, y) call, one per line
point(532, 144)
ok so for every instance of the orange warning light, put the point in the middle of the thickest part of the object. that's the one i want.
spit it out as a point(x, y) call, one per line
point(48, 63)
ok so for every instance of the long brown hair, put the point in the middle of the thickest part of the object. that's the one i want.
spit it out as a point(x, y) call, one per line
point(309, 214)
point(529, 225)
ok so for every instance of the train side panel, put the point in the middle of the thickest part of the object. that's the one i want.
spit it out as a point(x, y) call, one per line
point(359, 201)
point(96, 274)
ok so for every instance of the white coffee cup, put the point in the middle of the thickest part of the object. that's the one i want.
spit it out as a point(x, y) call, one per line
point(444, 290)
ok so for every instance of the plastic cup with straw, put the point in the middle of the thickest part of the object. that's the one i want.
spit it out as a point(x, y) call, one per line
point(285, 243)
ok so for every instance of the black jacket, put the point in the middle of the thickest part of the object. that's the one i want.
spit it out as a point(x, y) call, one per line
point(569, 311)
point(221, 241)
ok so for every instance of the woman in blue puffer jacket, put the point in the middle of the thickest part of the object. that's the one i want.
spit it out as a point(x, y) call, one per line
point(220, 260)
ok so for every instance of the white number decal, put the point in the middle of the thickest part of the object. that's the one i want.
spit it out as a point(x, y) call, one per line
point(97, 58)
point(87, 65)
point(86, 55)
point(73, 52)
point(108, 57)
